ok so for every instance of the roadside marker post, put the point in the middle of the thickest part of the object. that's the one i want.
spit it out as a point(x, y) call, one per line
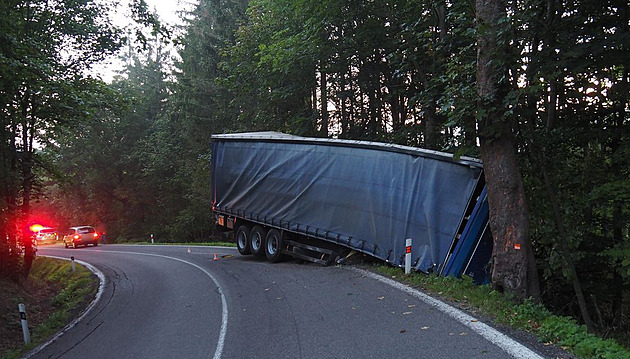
point(408, 256)
point(152, 238)
point(74, 266)
point(25, 332)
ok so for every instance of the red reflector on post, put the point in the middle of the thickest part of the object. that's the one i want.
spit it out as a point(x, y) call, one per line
point(408, 250)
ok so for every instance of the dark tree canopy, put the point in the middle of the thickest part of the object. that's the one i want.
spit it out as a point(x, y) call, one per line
point(45, 49)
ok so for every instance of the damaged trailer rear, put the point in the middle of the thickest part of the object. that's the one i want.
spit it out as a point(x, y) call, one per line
point(289, 195)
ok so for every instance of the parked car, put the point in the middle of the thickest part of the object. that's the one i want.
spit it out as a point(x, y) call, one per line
point(81, 236)
point(46, 235)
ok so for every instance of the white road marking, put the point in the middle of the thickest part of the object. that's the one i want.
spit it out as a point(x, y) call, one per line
point(512, 347)
point(99, 293)
point(224, 310)
point(170, 246)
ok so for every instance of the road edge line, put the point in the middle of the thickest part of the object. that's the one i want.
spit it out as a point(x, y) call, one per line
point(88, 309)
point(509, 345)
point(224, 311)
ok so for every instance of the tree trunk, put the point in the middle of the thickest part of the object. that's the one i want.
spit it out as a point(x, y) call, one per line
point(513, 266)
point(324, 100)
point(28, 130)
point(431, 119)
point(566, 253)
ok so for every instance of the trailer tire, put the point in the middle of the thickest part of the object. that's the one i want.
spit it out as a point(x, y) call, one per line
point(242, 239)
point(257, 241)
point(273, 246)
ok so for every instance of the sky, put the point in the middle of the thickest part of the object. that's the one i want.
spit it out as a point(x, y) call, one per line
point(166, 10)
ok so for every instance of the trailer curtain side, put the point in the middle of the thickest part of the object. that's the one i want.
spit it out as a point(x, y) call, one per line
point(365, 198)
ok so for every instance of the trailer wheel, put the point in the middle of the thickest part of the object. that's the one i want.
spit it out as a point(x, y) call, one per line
point(273, 246)
point(257, 241)
point(242, 240)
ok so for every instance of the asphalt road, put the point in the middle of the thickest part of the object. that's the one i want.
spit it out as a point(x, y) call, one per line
point(166, 302)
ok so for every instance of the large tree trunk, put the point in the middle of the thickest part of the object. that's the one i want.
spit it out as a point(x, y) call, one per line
point(513, 266)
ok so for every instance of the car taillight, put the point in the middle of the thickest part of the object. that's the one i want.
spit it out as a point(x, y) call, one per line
point(95, 234)
point(76, 236)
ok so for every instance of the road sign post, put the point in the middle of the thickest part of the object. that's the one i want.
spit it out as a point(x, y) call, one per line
point(408, 256)
point(25, 332)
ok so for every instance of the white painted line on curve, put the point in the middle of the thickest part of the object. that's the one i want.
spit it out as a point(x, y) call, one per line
point(167, 245)
point(224, 310)
point(511, 346)
point(99, 293)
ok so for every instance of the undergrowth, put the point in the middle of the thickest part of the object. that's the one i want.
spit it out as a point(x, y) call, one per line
point(77, 289)
point(564, 332)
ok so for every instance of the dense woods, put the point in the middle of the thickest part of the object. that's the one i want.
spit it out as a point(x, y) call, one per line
point(538, 89)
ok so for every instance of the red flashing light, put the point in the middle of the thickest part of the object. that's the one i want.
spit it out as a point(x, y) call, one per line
point(95, 234)
point(76, 236)
point(36, 228)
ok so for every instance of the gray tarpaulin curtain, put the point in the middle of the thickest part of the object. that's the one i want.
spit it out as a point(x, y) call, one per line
point(366, 198)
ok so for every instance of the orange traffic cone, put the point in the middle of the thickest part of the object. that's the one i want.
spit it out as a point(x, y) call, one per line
point(188, 249)
point(215, 257)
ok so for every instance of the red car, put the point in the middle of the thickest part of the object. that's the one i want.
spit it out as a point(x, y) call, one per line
point(81, 236)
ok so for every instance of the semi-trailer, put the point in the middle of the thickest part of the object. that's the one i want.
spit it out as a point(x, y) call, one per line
point(319, 199)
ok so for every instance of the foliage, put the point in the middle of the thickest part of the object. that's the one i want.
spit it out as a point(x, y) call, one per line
point(103, 164)
point(45, 48)
point(75, 290)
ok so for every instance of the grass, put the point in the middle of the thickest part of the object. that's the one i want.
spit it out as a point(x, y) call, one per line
point(74, 291)
point(564, 332)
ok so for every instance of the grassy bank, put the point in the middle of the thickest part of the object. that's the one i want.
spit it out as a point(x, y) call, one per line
point(534, 318)
point(53, 295)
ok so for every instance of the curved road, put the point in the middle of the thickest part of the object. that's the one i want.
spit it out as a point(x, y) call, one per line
point(167, 302)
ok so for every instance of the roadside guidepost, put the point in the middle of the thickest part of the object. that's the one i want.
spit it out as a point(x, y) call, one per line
point(74, 266)
point(152, 238)
point(408, 256)
point(25, 332)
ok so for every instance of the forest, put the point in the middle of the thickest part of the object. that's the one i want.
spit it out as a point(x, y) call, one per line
point(538, 89)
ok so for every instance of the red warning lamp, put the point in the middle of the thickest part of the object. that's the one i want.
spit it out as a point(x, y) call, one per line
point(36, 228)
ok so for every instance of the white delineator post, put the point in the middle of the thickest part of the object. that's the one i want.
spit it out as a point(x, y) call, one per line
point(152, 238)
point(408, 256)
point(25, 332)
point(74, 266)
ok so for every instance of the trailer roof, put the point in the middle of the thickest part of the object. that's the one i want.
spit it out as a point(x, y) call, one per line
point(270, 136)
